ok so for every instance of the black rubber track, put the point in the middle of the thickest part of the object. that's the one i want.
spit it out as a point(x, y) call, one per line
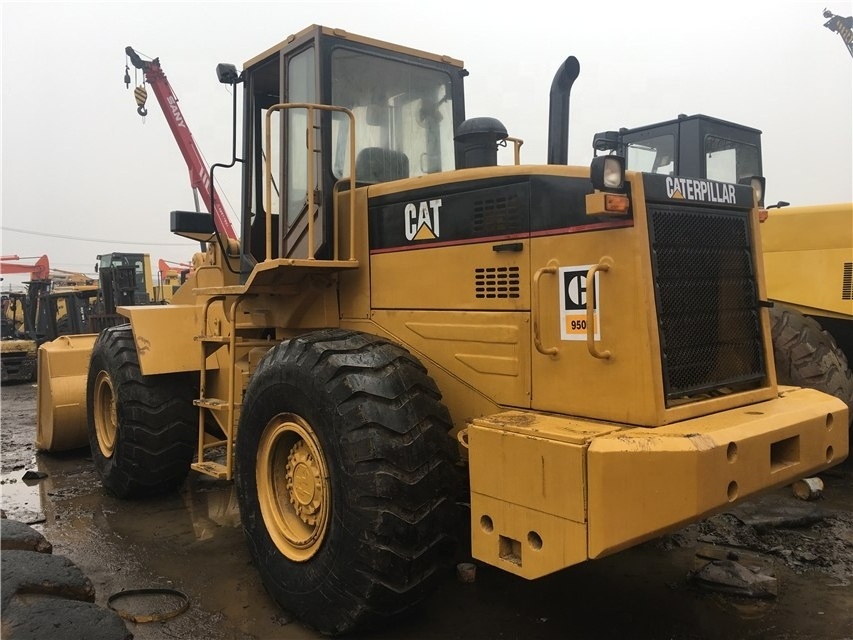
point(157, 422)
point(807, 356)
point(392, 471)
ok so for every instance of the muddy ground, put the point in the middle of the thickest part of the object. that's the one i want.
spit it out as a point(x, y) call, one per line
point(192, 541)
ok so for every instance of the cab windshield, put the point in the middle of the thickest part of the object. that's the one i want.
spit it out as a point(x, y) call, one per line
point(730, 161)
point(403, 117)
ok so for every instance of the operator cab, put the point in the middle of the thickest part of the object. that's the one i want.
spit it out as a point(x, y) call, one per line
point(406, 105)
point(129, 272)
point(696, 146)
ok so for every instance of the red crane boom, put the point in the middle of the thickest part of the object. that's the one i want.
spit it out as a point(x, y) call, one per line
point(199, 175)
point(40, 270)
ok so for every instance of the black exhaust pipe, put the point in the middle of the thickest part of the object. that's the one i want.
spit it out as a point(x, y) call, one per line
point(558, 113)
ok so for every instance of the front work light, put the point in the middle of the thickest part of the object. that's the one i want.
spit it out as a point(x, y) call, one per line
point(227, 73)
point(757, 184)
point(607, 173)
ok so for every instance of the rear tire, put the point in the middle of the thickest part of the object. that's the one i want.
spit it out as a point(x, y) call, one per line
point(142, 429)
point(346, 479)
point(807, 356)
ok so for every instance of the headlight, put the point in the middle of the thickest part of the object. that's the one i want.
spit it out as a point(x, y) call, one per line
point(757, 184)
point(758, 187)
point(608, 173)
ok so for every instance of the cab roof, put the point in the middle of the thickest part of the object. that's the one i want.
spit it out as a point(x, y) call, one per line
point(314, 29)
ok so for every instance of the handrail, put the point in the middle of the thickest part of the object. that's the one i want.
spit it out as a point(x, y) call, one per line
point(516, 148)
point(311, 151)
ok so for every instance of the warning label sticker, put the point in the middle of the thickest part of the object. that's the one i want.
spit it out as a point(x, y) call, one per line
point(574, 293)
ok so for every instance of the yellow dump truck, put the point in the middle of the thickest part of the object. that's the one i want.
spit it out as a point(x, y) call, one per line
point(580, 355)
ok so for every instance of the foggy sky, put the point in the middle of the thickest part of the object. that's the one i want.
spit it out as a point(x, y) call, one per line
point(83, 174)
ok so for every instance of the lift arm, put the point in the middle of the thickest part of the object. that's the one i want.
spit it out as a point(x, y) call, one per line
point(199, 175)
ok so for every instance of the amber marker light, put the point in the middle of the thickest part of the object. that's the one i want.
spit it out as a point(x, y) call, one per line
point(616, 202)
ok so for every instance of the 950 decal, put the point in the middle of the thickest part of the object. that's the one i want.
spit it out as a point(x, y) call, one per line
point(575, 292)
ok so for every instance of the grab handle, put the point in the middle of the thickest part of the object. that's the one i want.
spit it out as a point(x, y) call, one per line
point(603, 265)
point(551, 268)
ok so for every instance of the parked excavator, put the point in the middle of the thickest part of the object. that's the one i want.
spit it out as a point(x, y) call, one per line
point(574, 359)
point(807, 250)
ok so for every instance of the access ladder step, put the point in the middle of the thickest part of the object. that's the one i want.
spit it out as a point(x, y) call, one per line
point(241, 342)
point(214, 469)
point(214, 404)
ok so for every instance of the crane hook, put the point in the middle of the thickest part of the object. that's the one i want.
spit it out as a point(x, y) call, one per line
point(141, 96)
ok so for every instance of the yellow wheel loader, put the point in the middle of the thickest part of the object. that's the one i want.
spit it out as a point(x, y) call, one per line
point(18, 340)
point(807, 250)
point(579, 355)
point(808, 258)
point(17, 344)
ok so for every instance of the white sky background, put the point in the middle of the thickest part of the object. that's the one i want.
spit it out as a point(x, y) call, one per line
point(78, 161)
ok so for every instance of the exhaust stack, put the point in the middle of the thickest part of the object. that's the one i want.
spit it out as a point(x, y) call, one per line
point(558, 112)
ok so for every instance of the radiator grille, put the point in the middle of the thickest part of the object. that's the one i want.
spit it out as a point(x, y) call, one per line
point(496, 282)
point(707, 298)
point(847, 282)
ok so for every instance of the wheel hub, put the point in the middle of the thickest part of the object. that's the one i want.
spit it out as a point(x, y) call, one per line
point(293, 487)
point(303, 483)
point(105, 414)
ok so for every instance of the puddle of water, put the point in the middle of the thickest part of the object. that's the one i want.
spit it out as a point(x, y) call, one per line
point(746, 608)
point(21, 499)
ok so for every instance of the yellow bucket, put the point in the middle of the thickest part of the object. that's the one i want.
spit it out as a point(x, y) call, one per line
point(63, 365)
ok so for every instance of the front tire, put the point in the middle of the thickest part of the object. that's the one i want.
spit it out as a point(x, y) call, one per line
point(142, 429)
point(807, 356)
point(346, 478)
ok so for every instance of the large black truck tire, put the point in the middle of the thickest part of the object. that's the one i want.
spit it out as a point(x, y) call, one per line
point(142, 429)
point(346, 478)
point(807, 356)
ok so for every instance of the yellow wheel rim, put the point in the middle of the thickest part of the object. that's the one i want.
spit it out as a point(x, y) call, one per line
point(104, 414)
point(293, 486)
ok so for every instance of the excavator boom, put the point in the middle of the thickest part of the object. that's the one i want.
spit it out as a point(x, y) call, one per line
point(40, 270)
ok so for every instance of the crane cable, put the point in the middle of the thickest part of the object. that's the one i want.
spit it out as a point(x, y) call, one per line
point(140, 93)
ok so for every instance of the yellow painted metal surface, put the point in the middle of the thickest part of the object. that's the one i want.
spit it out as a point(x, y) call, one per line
point(643, 482)
point(808, 258)
point(489, 351)
point(548, 492)
point(19, 346)
point(431, 279)
point(63, 365)
point(627, 385)
point(529, 543)
point(165, 337)
point(528, 490)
